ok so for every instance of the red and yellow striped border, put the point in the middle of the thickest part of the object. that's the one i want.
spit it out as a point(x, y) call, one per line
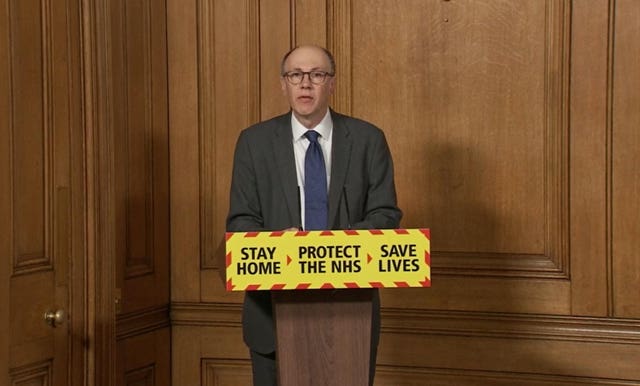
point(298, 260)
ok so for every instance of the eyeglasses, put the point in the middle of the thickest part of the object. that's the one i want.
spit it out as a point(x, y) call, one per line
point(316, 77)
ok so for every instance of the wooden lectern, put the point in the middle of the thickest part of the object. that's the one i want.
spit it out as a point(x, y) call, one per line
point(323, 336)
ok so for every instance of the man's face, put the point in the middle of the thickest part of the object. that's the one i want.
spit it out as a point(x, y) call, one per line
point(308, 101)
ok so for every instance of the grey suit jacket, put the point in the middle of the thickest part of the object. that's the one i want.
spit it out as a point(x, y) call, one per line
point(264, 194)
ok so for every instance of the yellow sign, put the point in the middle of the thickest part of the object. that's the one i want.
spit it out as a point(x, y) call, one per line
point(328, 259)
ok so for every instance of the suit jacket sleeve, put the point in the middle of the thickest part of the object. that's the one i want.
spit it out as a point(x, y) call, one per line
point(245, 214)
point(378, 204)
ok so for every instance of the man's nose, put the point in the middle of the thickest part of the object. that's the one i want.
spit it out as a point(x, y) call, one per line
point(306, 80)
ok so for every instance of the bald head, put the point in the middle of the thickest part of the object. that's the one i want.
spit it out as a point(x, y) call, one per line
point(330, 61)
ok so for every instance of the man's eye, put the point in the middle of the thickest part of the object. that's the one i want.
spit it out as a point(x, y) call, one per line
point(295, 74)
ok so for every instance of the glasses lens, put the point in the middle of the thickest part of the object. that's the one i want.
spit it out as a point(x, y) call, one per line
point(294, 77)
point(316, 77)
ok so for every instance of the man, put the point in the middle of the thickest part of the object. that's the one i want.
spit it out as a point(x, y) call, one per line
point(277, 184)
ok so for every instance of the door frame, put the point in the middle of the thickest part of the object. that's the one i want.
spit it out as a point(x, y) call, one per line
point(100, 260)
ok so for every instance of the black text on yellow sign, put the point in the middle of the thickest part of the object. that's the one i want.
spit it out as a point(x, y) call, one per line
point(328, 259)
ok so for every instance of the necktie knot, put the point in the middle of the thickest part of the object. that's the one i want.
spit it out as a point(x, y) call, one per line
point(312, 136)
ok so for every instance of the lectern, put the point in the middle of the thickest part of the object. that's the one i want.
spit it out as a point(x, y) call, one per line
point(323, 336)
point(323, 286)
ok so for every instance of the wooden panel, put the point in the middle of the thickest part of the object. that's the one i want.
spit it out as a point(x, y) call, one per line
point(490, 166)
point(511, 326)
point(590, 285)
point(141, 322)
point(144, 359)
point(36, 374)
point(485, 294)
point(100, 227)
point(206, 351)
point(140, 377)
point(339, 43)
point(219, 56)
point(182, 41)
point(207, 84)
point(625, 160)
point(272, 48)
point(225, 373)
point(185, 356)
point(219, 93)
point(134, 127)
point(309, 20)
point(390, 376)
point(140, 113)
point(6, 265)
point(31, 134)
point(138, 80)
point(560, 357)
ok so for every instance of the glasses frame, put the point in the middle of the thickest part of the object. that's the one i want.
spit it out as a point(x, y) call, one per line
point(287, 75)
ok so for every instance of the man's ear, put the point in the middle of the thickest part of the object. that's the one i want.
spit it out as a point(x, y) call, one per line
point(283, 85)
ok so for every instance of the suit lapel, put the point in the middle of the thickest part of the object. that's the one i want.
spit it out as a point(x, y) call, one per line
point(286, 165)
point(341, 153)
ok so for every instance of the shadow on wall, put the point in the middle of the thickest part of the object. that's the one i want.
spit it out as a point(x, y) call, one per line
point(457, 203)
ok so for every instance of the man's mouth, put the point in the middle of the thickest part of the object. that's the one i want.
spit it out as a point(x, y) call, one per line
point(305, 99)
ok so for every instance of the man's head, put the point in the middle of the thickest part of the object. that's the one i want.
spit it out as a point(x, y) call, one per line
point(307, 81)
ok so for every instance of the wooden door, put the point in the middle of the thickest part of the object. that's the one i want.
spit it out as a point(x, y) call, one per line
point(42, 194)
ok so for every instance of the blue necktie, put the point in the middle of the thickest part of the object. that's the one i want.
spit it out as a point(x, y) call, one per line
point(315, 185)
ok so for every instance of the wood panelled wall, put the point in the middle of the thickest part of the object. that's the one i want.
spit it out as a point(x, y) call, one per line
point(137, 83)
point(514, 130)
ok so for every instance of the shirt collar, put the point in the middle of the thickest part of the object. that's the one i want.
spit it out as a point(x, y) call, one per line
point(324, 128)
